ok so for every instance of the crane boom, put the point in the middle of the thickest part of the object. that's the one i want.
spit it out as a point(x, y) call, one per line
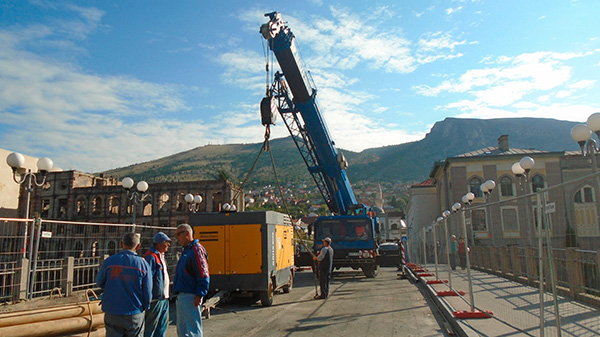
point(353, 227)
point(300, 112)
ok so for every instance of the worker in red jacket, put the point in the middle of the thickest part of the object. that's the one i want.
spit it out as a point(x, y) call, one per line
point(157, 317)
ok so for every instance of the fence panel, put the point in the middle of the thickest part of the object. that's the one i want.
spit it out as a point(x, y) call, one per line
point(534, 256)
point(65, 256)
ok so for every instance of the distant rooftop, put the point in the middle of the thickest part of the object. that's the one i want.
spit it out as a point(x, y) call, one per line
point(503, 149)
point(426, 183)
point(495, 151)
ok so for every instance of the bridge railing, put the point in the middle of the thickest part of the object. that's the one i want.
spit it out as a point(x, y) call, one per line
point(61, 257)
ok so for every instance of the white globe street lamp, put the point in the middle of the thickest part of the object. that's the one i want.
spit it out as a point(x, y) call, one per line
point(194, 202)
point(21, 174)
point(137, 196)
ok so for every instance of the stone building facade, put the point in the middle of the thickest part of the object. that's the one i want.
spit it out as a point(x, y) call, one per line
point(505, 222)
point(78, 196)
point(87, 214)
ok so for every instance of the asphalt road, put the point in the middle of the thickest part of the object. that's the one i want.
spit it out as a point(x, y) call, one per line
point(357, 306)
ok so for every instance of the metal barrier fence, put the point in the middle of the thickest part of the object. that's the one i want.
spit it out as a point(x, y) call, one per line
point(61, 256)
point(540, 279)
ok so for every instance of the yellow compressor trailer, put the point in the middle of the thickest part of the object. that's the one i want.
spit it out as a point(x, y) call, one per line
point(251, 252)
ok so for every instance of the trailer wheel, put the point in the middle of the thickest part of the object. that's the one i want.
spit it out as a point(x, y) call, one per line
point(266, 296)
point(288, 287)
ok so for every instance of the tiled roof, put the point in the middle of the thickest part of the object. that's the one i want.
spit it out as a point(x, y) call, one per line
point(426, 183)
point(494, 151)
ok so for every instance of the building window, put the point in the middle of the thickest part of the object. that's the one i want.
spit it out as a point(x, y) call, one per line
point(584, 195)
point(475, 187)
point(537, 183)
point(97, 206)
point(62, 208)
point(78, 249)
point(146, 208)
point(113, 207)
point(111, 247)
point(510, 221)
point(94, 248)
point(163, 202)
point(506, 187)
point(585, 212)
point(181, 204)
point(81, 206)
point(478, 220)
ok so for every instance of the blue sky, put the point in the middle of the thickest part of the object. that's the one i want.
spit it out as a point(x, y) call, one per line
point(96, 85)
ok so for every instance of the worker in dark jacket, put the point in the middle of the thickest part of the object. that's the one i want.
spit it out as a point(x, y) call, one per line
point(127, 282)
point(191, 282)
point(325, 259)
point(157, 317)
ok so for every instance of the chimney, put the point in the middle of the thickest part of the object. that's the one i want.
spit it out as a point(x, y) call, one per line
point(503, 143)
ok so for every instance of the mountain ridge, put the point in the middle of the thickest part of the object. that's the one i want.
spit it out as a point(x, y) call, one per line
point(407, 162)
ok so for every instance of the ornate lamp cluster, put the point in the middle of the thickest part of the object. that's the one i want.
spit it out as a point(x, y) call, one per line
point(582, 134)
point(137, 196)
point(521, 169)
point(193, 201)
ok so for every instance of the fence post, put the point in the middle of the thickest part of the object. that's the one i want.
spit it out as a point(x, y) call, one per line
point(516, 262)
point(505, 260)
point(21, 280)
point(574, 271)
point(68, 275)
point(530, 260)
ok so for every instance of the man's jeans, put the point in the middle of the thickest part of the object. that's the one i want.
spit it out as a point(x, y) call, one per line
point(157, 319)
point(189, 316)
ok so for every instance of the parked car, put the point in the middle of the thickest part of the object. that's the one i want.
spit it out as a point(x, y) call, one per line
point(388, 254)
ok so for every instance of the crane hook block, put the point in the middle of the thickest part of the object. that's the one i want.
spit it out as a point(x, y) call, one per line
point(268, 110)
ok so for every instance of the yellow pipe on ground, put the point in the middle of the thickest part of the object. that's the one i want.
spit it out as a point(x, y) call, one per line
point(59, 327)
point(48, 314)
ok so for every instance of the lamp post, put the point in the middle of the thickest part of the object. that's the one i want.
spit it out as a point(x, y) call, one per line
point(193, 202)
point(467, 199)
point(20, 175)
point(445, 215)
point(582, 134)
point(432, 227)
point(521, 170)
point(137, 196)
point(487, 188)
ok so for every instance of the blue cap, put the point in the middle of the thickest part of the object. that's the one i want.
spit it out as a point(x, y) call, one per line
point(161, 237)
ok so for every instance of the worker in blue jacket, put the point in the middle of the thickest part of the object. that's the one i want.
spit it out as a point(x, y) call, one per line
point(191, 282)
point(126, 280)
point(157, 317)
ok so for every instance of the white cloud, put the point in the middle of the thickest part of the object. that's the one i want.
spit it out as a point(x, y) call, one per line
point(350, 39)
point(525, 85)
point(91, 122)
point(451, 11)
point(510, 79)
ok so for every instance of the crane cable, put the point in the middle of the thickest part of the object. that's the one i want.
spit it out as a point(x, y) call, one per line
point(287, 211)
point(264, 147)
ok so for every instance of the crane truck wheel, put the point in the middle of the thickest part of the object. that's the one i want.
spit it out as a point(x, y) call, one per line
point(266, 296)
point(370, 271)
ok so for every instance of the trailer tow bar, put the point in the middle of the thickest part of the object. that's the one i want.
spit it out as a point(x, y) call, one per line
point(212, 302)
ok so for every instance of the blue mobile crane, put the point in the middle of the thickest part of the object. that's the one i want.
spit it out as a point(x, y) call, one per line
point(293, 95)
